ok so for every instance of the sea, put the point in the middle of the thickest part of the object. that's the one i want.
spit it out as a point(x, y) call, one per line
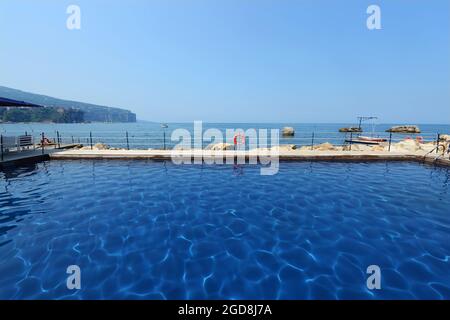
point(152, 135)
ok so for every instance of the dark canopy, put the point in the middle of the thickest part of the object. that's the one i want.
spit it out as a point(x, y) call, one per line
point(15, 103)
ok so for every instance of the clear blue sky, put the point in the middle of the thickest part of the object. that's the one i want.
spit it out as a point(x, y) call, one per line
point(235, 60)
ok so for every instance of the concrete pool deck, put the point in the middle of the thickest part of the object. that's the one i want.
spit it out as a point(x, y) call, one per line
point(292, 155)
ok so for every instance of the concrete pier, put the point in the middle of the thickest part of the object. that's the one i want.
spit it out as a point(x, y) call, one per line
point(31, 156)
point(293, 155)
point(66, 152)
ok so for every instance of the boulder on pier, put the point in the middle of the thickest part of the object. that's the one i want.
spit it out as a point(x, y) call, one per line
point(220, 147)
point(97, 146)
point(285, 147)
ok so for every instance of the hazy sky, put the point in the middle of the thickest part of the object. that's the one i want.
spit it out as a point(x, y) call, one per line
point(235, 60)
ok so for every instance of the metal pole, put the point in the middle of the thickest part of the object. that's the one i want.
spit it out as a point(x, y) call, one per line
point(437, 142)
point(90, 138)
point(1, 146)
point(164, 140)
point(390, 140)
point(72, 140)
point(42, 142)
point(128, 142)
point(312, 141)
point(351, 140)
point(57, 139)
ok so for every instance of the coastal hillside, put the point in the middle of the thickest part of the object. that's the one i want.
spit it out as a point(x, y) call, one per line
point(91, 112)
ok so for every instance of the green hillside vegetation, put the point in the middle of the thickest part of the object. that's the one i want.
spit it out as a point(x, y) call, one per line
point(91, 112)
point(57, 115)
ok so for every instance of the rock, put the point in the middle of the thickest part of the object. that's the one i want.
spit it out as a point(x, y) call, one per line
point(358, 147)
point(350, 129)
point(378, 148)
point(285, 147)
point(220, 147)
point(413, 145)
point(404, 129)
point(444, 138)
point(325, 147)
point(288, 132)
point(97, 146)
point(410, 145)
point(428, 147)
point(100, 146)
point(180, 148)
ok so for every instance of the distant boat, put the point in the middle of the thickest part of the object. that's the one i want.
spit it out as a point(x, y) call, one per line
point(164, 125)
point(366, 140)
point(371, 139)
point(363, 139)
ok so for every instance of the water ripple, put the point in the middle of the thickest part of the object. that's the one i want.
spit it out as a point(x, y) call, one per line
point(152, 230)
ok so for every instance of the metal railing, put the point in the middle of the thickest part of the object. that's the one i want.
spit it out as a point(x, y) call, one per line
point(1, 148)
point(159, 140)
point(12, 143)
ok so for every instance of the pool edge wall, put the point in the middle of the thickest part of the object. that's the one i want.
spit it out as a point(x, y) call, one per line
point(282, 158)
point(25, 160)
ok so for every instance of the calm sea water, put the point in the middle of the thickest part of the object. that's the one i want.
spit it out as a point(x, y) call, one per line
point(154, 230)
point(144, 135)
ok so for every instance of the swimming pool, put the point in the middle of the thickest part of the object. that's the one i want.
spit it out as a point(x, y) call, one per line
point(154, 230)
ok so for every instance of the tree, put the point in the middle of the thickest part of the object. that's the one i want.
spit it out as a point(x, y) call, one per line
point(57, 115)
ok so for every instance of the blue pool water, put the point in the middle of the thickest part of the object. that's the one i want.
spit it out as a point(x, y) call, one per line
point(153, 230)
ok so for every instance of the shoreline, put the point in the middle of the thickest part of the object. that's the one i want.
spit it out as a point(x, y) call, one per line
point(405, 150)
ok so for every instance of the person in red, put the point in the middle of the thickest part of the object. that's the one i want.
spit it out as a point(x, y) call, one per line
point(238, 138)
point(46, 141)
